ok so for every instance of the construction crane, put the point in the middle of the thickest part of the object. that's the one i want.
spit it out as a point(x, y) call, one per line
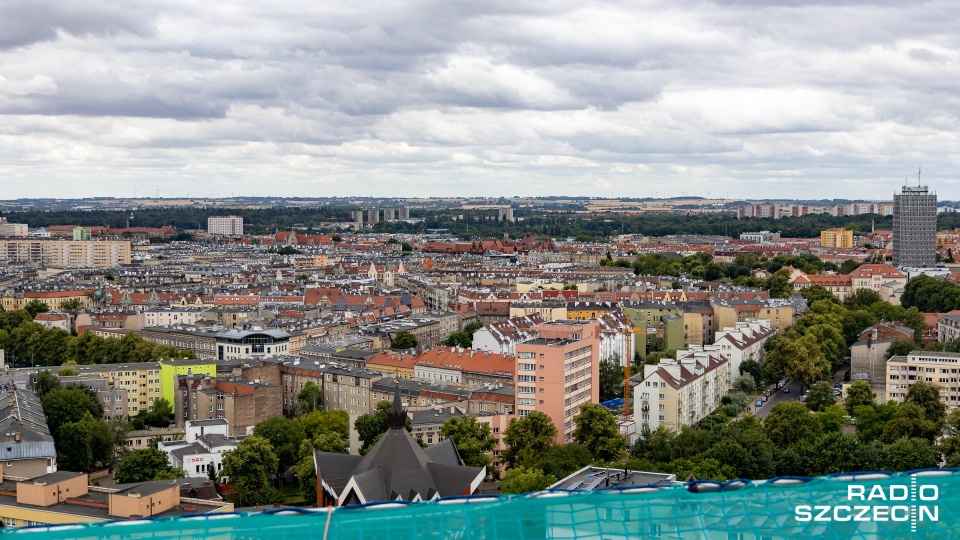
point(626, 385)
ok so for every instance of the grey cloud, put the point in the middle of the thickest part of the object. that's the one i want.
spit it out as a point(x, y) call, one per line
point(23, 22)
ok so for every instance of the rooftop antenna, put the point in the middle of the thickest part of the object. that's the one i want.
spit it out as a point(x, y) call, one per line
point(918, 175)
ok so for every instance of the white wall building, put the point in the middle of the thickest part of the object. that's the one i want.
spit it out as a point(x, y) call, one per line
point(680, 392)
point(225, 225)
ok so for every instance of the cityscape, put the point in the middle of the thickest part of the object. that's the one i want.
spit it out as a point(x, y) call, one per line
point(354, 271)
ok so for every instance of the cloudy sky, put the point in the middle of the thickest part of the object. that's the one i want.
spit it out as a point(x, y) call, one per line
point(732, 98)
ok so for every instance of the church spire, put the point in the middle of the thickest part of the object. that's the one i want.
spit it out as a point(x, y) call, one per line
point(397, 417)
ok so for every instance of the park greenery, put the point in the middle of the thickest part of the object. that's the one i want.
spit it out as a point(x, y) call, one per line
point(30, 343)
point(83, 440)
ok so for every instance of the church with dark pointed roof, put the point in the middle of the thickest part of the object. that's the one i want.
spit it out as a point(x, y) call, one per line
point(396, 468)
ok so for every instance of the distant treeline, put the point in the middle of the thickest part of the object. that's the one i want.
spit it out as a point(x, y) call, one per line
point(477, 223)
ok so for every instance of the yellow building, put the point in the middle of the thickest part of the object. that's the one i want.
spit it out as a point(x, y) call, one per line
point(836, 238)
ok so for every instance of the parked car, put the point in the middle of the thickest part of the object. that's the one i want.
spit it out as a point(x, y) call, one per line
point(764, 399)
point(766, 394)
point(759, 403)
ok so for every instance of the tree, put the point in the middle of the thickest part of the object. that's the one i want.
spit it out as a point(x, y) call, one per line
point(909, 421)
point(848, 266)
point(821, 396)
point(854, 322)
point(753, 368)
point(524, 480)
point(70, 404)
point(474, 440)
point(902, 347)
point(285, 436)
point(562, 460)
point(141, 466)
point(805, 362)
point(310, 398)
point(745, 383)
point(35, 307)
point(872, 420)
point(73, 447)
point(533, 434)
point(908, 454)
point(45, 383)
point(103, 441)
point(321, 422)
point(790, 422)
point(927, 397)
point(611, 379)
point(248, 468)
point(597, 430)
point(859, 394)
point(405, 340)
point(71, 304)
point(458, 339)
point(371, 426)
point(816, 292)
point(861, 299)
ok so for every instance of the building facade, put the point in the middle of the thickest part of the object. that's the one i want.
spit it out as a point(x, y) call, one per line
point(677, 393)
point(558, 372)
point(836, 238)
point(914, 228)
point(937, 368)
point(225, 225)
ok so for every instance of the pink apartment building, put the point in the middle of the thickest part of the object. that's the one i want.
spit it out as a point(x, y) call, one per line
point(558, 372)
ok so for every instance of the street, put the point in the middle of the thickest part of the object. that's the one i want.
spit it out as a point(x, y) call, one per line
point(794, 394)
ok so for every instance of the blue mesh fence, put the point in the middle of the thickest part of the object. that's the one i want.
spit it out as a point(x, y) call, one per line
point(922, 504)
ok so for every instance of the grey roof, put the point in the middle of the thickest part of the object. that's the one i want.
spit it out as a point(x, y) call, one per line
point(396, 467)
point(590, 477)
point(56, 477)
point(210, 422)
point(194, 448)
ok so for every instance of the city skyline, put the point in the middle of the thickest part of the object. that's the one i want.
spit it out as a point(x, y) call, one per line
point(727, 99)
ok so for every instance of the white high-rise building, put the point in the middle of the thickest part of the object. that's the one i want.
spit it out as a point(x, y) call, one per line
point(225, 225)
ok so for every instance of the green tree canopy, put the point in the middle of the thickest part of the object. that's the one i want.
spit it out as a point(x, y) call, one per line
point(821, 396)
point(523, 480)
point(45, 383)
point(405, 340)
point(927, 396)
point(474, 440)
point(790, 422)
point(596, 429)
point(285, 436)
point(248, 468)
point(35, 307)
point(907, 454)
point(533, 433)
point(310, 398)
point(859, 394)
point(67, 405)
point(141, 466)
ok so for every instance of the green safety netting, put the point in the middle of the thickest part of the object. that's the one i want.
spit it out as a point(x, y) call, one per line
point(927, 505)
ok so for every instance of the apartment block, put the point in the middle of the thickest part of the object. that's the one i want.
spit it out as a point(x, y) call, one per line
point(914, 228)
point(61, 253)
point(225, 226)
point(937, 368)
point(464, 367)
point(836, 238)
point(243, 404)
point(558, 372)
point(680, 392)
